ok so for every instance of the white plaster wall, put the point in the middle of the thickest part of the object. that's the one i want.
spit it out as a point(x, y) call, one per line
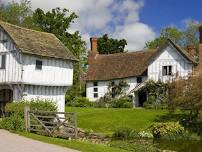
point(52, 93)
point(103, 87)
point(13, 71)
point(55, 72)
point(169, 56)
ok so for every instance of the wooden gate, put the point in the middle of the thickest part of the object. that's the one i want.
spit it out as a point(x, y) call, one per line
point(58, 124)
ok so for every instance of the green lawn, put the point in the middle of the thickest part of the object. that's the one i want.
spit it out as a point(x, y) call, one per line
point(78, 145)
point(104, 120)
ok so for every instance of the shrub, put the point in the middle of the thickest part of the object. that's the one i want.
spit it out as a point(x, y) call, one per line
point(124, 133)
point(13, 123)
point(123, 102)
point(167, 130)
point(143, 134)
point(16, 107)
point(15, 110)
point(103, 102)
point(44, 105)
point(80, 102)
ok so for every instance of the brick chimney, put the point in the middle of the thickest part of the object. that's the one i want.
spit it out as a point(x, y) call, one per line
point(93, 42)
point(191, 49)
point(198, 68)
point(93, 52)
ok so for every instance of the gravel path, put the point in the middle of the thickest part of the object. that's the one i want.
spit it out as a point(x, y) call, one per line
point(10, 142)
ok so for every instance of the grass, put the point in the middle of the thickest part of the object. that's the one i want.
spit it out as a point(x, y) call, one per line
point(104, 120)
point(73, 144)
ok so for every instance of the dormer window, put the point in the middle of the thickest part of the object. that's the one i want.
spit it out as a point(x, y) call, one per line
point(3, 61)
point(39, 65)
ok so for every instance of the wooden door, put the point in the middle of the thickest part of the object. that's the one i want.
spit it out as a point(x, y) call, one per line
point(6, 96)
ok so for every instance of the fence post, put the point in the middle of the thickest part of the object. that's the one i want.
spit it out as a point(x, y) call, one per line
point(75, 125)
point(27, 118)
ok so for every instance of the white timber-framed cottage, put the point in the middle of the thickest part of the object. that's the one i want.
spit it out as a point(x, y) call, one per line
point(163, 64)
point(33, 65)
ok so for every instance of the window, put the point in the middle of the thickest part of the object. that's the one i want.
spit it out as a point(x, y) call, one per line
point(95, 89)
point(167, 70)
point(139, 79)
point(95, 84)
point(95, 95)
point(113, 93)
point(3, 61)
point(38, 65)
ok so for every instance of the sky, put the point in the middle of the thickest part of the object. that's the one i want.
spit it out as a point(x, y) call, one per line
point(137, 21)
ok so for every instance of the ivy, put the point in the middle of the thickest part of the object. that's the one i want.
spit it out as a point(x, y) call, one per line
point(156, 91)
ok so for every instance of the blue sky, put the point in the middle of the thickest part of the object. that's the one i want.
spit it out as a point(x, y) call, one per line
point(137, 21)
point(161, 13)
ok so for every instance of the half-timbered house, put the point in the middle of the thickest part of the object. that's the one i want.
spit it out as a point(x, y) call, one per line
point(163, 64)
point(33, 65)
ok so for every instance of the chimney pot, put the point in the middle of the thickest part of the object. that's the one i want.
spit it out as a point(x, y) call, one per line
point(93, 41)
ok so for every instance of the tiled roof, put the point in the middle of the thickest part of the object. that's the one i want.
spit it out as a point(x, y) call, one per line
point(37, 43)
point(120, 65)
point(124, 65)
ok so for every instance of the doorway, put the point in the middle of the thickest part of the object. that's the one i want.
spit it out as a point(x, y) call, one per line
point(6, 95)
point(142, 96)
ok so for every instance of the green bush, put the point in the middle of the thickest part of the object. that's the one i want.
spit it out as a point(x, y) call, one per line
point(80, 102)
point(167, 130)
point(13, 123)
point(44, 105)
point(123, 102)
point(124, 133)
point(18, 107)
point(15, 112)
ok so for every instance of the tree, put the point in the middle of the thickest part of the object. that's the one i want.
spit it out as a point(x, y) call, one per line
point(108, 45)
point(182, 37)
point(170, 32)
point(186, 94)
point(190, 35)
point(15, 13)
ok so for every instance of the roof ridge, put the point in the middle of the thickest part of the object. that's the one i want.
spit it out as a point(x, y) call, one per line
point(24, 28)
point(133, 52)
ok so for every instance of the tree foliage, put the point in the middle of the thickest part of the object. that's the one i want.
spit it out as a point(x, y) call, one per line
point(108, 45)
point(186, 94)
point(182, 37)
point(14, 12)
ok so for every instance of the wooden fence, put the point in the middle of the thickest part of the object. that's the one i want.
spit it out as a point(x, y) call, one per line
point(62, 124)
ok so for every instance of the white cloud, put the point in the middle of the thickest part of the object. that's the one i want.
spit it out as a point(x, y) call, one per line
point(136, 34)
point(119, 18)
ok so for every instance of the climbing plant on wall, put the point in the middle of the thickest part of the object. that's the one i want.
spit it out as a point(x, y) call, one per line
point(156, 91)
